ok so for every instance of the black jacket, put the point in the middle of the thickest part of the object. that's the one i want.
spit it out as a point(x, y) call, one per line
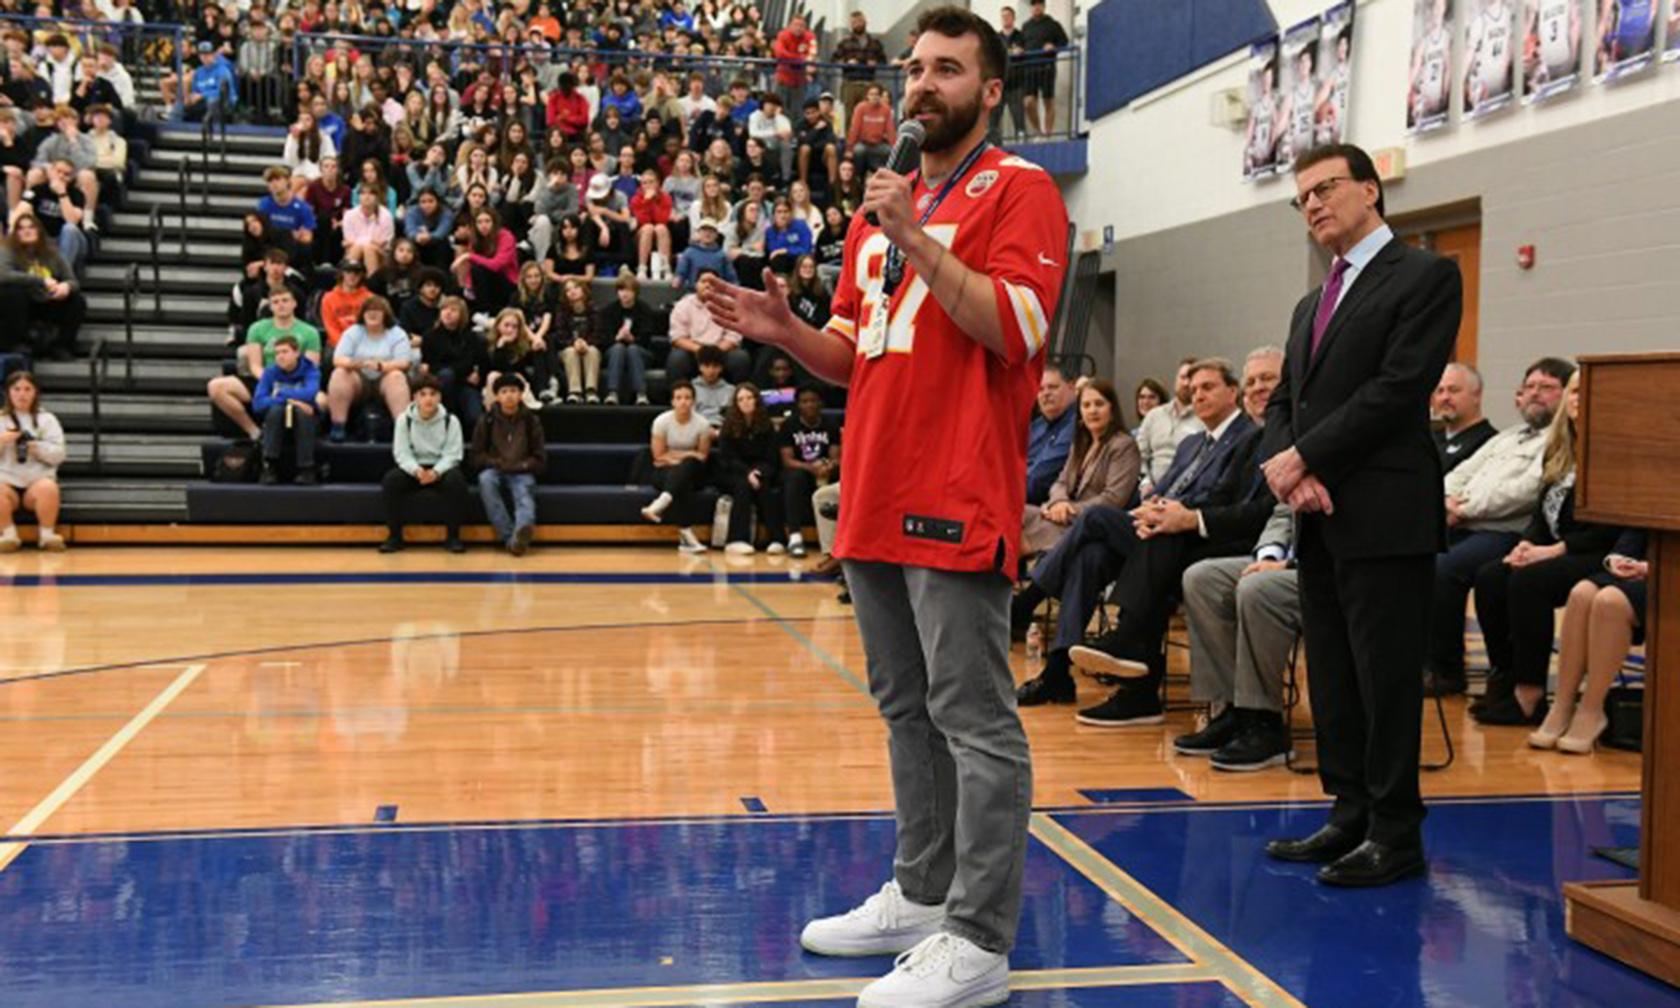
point(1578, 537)
point(1358, 412)
point(1242, 503)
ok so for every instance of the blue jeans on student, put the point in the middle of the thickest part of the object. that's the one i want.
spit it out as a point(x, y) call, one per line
point(73, 246)
point(626, 360)
point(519, 486)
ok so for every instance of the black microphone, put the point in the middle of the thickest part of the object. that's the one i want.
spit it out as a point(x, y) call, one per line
point(906, 155)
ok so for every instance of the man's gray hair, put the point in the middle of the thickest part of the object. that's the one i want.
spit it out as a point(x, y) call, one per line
point(1469, 370)
point(1269, 350)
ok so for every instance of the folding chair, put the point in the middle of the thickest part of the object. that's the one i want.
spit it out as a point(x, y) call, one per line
point(1292, 699)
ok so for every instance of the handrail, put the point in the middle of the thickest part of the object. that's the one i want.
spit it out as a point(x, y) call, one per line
point(131, 287)
point(96, 364)
point(181, 188)
point(154, 227)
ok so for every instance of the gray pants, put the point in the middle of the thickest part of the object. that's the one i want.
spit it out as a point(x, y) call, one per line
point(937, 644)
point(1241, 632)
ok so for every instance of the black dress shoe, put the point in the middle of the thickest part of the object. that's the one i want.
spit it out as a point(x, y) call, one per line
point(1041, 690)
point(1435, 684)
point(1213, 736)
point(1374, 864)
point(1329, 844)
point(1498, 688)
point(1507, 711)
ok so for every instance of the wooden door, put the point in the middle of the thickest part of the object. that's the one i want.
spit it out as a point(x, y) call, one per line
point(1463, 245)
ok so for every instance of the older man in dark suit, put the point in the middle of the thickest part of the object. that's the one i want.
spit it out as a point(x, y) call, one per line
point(1348, 446)
point(1102, 539)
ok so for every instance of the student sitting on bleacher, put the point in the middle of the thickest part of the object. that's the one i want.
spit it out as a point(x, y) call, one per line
point(577, 342)
point(31, 450)
point(293, 219)
point(704, 252)
point(810, 448)
point(285, 400)
point(428, 224)
point(631, 325)
point(512, 350)
point(419, 311)
point(681, 444)
point(232, 393)
point(487, 265)
point(693, 327)
point(428, 446)
point(508, 451)
point(39, 292)
point(371, 359)
point(369, 230)
point(458, 358)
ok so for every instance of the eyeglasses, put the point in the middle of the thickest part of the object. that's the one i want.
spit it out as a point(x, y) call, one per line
point(1322, 191)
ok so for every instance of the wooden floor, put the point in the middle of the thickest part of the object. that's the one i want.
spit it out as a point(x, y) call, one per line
point(573, 691)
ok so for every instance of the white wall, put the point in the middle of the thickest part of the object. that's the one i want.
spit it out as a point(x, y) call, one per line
point(1160, 164)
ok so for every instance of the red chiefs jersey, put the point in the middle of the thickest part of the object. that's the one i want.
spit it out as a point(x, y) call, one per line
point(936, 427)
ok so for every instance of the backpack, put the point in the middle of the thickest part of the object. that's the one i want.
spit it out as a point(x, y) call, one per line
point(239, 464)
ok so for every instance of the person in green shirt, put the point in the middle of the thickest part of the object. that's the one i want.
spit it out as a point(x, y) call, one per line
point(232, 393)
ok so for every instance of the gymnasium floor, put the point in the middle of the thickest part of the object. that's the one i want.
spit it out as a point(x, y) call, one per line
point(617, 777)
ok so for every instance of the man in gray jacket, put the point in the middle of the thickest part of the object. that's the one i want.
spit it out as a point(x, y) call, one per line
point(1489, 499)
point(69, 143)
point(428, 448)
point(1243, 614)
point(555, 198)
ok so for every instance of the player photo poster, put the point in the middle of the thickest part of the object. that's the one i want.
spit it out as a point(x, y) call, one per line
point(1335, 74)
point(1260, 143)
point(1489, 33)
point(1429, 87)
point(1671, 51)
point(1551, 61)
point(1627, 34)
point(1298, 76)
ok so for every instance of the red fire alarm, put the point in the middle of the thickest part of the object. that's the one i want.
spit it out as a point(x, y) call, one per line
point(1525, 257)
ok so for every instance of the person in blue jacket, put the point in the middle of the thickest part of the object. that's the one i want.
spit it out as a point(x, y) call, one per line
point(704, 252)
point(285, 401)
point(786, 239)
point(213, 78)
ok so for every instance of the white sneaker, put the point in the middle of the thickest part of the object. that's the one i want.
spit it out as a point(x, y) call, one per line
point(9, 541)
point(52, 542)
point(775, 549)
point(689, 543)
point(642, 273)
point(740, 549)
point(944, 971)
point(886, 924)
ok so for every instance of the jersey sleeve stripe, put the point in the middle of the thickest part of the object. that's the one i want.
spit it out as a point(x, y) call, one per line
point(1028, 315)
point(844, 328)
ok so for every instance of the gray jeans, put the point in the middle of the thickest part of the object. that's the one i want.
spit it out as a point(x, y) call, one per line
point(937, 644)
point(1241, 632)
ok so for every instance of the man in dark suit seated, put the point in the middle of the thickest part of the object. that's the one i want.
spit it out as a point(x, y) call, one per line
point(1171, 536)
point(1102, 539)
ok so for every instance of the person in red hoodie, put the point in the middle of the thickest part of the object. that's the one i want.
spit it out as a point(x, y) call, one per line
point(487, 263)
point(568, 109)
point(793, 46)
point(651, 208)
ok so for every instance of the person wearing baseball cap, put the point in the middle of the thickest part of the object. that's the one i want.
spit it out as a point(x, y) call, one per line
point(607, 209)
point(209, 82)
point(704, 252)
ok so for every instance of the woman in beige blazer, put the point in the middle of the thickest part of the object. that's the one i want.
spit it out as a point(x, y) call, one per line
point(1102, 468)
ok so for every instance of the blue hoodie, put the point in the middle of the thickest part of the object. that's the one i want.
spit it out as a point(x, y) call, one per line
point(277, 386)
point(700, 257)
point(208, 81)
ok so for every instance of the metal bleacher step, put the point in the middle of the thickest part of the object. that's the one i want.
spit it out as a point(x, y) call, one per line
point(136, 414)
point(240, 139)
point(236, 181)
point(237, 159)
point(192, 309)
point(121, 251)
point(174, 278)
point(176, 455)
point(144, 199)
point(136, 223)
point(140, 499)
point(201, 342)
point(182, 377)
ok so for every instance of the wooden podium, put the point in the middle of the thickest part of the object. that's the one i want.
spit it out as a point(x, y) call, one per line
point(1630, 475)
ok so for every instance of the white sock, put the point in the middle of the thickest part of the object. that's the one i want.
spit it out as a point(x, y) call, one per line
point(9, 532)
point(46, 530)
point(687, 536)
point(660, 503)
point(795, 540)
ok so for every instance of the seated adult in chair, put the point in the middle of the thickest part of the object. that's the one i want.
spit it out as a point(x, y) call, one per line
point(1101, 470)
point(1102, 539)
point(1457, 408)
point(1244, 616)
point(1171, 536)
point(1050, 435)
point(1489, 499)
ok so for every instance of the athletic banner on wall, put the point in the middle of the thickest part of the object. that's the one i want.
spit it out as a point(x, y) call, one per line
point(1551, 62)
point(1627, 37)
point(1335, 74)
point(1429, 90)
point(1671, 51)
point(1298, 86)
point(1260, 142)
point(1489, 37)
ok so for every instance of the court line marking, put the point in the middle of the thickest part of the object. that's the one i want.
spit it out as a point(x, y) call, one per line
point(248, 578)
point(1236, 973)
point(732, 819)
point(79, 777)
point(771, 991)
point(390, 639)
point(834, 664)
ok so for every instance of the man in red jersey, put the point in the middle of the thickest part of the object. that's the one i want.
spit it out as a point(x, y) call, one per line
point(940, 319)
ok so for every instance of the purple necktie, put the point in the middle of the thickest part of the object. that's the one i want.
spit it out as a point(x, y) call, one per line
point(1327, 302)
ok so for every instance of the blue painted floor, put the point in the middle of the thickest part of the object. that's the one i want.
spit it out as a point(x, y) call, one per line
point(404, 913)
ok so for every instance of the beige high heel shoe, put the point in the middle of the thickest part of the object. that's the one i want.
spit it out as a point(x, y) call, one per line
point(1553, 728)
point(1581, 739)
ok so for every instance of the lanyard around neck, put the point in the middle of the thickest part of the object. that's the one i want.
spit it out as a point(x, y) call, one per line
point(893, 274)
